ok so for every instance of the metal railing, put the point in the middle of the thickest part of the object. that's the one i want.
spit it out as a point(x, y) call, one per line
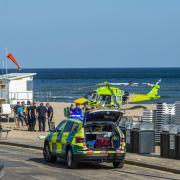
point(12, 97)
point(3, 94)
point(20, 95)
point(42, 96)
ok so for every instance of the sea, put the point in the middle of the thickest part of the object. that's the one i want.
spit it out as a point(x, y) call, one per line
point(66, 84)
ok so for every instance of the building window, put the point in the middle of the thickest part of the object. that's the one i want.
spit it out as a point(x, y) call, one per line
point(29, 85)
point(2, 86)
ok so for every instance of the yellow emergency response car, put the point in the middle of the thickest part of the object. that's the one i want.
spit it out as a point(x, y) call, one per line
point(96, 138)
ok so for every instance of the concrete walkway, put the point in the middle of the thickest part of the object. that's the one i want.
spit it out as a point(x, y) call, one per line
point(154, 161)
point(150, 161)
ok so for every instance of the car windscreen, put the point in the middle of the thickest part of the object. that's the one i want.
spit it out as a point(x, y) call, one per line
point(102, 116)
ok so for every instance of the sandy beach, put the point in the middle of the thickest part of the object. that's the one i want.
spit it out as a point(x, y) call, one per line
point(59, 116)
point(138, 111)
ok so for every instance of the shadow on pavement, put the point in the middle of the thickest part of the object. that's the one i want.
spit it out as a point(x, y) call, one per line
point(137, 107)
point(62, 164)
point(97, 166)
point(149, 155)
point(146, 175)
point(1, 171)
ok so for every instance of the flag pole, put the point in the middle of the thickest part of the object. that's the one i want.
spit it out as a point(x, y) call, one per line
point(2, 70)
point(6, 61)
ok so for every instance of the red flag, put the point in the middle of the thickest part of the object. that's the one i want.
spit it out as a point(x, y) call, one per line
point(11, 57)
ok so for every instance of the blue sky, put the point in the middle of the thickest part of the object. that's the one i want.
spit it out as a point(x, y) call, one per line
point(94, 33)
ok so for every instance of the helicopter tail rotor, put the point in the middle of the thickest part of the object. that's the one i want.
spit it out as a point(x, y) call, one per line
point(159, 81)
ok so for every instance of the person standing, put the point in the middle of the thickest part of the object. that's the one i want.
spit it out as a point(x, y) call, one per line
point(24, 109)
point(16, 113)
point(86, 107)
point(20, 115)
point(41, 110)
point(49, 113)
point(32, 116)
point(28, 115)
point(77, 110)
point(71, 109)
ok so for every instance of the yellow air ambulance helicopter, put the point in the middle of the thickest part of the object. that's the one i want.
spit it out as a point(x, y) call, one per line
point(111, 94)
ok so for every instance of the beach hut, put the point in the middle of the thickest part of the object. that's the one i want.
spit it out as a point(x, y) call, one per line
point(16, 87)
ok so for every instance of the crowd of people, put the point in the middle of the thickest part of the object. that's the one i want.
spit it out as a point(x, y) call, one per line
point(28, 114)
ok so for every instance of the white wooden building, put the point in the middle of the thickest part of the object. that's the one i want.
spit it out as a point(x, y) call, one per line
point(16, 87)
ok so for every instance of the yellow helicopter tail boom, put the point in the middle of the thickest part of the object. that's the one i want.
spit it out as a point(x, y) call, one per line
point(154, 91)
point(153, 94)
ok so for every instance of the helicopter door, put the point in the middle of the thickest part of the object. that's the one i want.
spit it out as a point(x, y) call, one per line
point(118, 99)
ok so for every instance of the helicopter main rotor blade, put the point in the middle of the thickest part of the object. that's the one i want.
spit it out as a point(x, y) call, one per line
point(113, 84)
point(123, 84)
point(127, 84)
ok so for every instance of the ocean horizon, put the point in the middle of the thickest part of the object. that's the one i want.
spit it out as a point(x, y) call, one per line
point(66, 84)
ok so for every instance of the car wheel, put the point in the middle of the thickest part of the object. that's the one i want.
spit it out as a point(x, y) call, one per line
point(69, 159)
point(118, 164)
point(47, 154)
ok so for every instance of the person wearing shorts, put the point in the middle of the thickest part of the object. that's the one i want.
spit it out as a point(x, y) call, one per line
point(20, 115)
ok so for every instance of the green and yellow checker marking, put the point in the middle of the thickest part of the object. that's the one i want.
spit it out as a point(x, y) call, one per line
point(59, 140)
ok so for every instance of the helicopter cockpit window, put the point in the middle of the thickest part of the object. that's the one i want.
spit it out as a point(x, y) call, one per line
point(105, 99)
point(93, 96)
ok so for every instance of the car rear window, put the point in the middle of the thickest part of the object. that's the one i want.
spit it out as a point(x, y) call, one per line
point(103, 116)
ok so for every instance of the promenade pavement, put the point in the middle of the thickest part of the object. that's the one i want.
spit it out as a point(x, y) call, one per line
point(153, 161)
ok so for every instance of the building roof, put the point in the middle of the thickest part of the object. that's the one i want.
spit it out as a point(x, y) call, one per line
point(13, 76)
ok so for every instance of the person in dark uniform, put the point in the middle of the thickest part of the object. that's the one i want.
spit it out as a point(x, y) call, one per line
point(49, 113)
point(16, 113)
point(77, 110)
point(32, 115)
point(28, 115)
point(42, 110)
point(71, 109)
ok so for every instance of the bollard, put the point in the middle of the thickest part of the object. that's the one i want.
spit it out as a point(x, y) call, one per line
point(178, 145)
point(172, 146)
point(164, 144)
